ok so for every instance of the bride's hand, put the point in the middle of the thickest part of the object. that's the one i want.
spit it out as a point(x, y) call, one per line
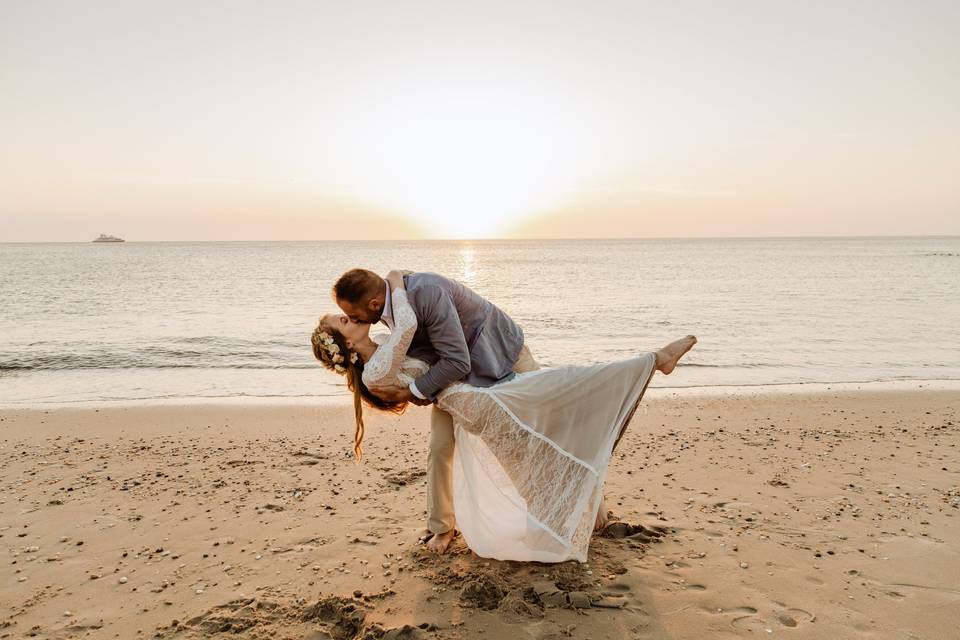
point(395, 278)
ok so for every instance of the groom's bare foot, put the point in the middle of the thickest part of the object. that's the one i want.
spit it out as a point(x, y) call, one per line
point(668, 357)
point(603, 517)
point(440, 542)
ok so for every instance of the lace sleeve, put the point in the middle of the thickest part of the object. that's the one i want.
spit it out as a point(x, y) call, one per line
point(385, 365)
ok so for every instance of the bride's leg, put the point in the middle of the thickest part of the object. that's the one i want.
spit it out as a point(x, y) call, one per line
point(526, 362)
point(603, 515)
point(667, 359)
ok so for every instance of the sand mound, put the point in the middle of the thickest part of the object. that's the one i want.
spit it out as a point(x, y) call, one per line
point(483, 592)
point(329, 618)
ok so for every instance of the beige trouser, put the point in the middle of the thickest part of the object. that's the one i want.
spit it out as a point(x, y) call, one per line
point(440, 516)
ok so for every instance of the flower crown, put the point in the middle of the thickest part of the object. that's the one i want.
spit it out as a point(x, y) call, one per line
point(332, 349)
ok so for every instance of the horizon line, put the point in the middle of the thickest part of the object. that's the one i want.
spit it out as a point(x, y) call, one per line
point(504, 239)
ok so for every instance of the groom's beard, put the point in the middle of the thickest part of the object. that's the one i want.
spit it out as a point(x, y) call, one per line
point(369, 317)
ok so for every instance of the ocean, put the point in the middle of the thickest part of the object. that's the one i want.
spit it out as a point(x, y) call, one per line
point(145, 321)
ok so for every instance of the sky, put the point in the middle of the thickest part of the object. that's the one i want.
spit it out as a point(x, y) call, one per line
point(287, 120)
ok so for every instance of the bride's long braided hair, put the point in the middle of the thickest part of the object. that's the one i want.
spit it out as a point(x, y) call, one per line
point(330, 348)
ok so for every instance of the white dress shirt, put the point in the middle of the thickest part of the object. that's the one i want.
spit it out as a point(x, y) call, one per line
point(387, 316)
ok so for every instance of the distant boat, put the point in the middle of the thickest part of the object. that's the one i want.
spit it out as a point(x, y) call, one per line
point(105, 238)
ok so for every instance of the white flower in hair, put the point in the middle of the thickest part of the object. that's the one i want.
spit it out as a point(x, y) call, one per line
point(339, 368)
point(353, 358)
point(337, 359)
point(333, 347)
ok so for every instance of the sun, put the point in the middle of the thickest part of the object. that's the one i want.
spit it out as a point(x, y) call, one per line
point(462, 164)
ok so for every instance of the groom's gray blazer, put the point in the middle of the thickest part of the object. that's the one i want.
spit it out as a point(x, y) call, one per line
point(462, 336)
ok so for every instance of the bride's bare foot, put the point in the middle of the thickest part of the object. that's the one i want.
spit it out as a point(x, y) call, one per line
point(602, 516)
point(668, 357)
point(440, 542)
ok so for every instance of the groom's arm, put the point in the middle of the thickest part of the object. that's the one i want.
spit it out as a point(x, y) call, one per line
point(438, 315)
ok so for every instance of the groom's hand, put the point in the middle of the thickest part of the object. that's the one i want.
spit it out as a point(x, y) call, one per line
point(397, 393)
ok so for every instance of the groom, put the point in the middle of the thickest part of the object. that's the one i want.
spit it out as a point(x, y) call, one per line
point(463, 337)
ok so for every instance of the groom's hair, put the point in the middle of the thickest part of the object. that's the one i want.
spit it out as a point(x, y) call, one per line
point(357, 286)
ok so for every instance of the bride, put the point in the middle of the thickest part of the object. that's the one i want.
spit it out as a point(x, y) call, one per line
point(531, 453)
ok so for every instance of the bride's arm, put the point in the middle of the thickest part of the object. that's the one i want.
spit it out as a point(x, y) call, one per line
point(384, 368)
point(395, 278)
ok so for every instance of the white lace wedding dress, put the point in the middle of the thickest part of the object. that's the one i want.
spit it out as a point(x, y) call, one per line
point(531, 453)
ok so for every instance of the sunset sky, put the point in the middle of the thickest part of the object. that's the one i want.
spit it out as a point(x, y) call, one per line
point(310, 120)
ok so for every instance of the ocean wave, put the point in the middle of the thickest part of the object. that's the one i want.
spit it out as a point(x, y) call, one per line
point(92, 365)
point(157, 356)
point(738, 365)
point(175, 398)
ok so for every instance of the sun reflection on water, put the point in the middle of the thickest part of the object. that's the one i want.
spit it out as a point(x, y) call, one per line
point(468, 273)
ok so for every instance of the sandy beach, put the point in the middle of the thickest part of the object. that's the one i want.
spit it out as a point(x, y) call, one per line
point(817, 515)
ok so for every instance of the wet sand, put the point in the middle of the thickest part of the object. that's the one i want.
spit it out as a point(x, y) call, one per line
point(828, 515)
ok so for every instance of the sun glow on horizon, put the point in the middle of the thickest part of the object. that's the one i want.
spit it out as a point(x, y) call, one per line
point(384, 120)
point(463, 164)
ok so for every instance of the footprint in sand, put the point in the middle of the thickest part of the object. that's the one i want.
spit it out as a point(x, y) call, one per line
point(617, 588)
point(795, 617)
point(731, 610)
point(746, 618)
point(743, 617)
point(747, 610)
point(787, 620)
point(618, 595)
